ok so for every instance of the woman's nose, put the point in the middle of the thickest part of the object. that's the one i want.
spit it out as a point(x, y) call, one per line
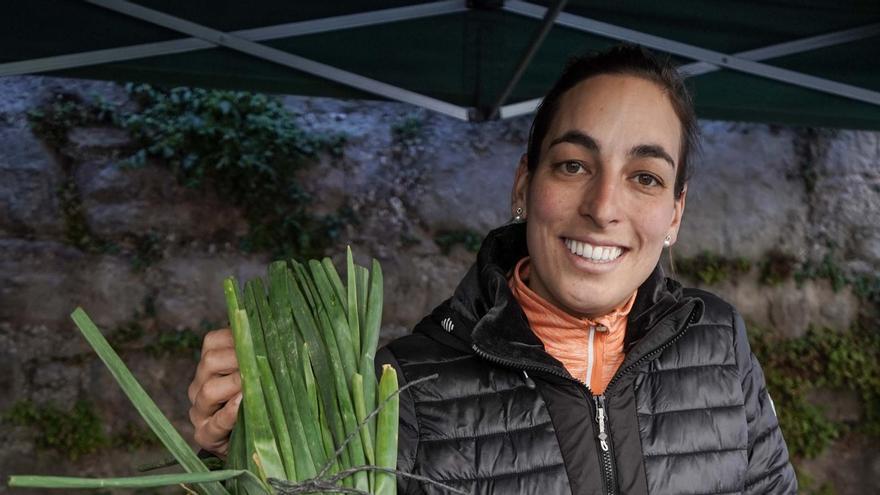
point(601, 201)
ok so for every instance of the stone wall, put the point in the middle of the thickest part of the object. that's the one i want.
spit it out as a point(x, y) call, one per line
point(758, 189)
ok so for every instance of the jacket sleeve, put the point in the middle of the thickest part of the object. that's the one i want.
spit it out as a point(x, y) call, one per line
point(408, 427)
point(769, 470)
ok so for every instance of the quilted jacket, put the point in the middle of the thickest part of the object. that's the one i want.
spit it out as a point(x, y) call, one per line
point(687, 412)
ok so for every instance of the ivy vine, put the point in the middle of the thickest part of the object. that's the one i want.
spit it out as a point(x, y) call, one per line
point(820, 359)
point(245, 146)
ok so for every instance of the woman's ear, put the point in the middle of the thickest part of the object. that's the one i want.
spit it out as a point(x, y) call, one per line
point(678, 213)
point(519, 194)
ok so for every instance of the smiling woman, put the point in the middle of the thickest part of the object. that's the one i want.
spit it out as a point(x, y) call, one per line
point(600, 199)
point(568, 362)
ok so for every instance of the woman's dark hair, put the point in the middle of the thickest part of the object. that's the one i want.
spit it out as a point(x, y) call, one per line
point(630, 60)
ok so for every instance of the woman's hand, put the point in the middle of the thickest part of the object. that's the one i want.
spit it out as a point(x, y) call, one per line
point(215, 392)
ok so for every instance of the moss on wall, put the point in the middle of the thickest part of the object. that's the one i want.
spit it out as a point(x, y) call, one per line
point(468, 239)
point(74, 432)
point(711, 268)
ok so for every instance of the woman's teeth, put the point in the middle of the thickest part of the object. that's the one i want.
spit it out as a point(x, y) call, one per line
point(597, 254)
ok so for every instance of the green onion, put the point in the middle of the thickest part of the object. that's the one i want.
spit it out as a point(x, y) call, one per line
point(352, 302)
point(142, 402)
point(338, 322)
point(151, 481)
point(253, 290)
point(370, 336)
point(386, 431)
point(263, 447)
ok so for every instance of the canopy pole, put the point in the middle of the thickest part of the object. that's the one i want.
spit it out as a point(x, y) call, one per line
point(283, 58)
point(697, 53)
point(770, 51)
point(790, 47)
point(524, 62)
point(286, 30)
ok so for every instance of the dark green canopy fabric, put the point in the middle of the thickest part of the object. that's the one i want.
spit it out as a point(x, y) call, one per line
point(467, 57)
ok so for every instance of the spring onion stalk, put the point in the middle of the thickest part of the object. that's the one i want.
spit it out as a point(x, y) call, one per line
point(370, 337)
point(236, 457)
point(386, 431)
point(362, 284)
point(360, 411)
point(152, 481)
point(351, 305)
point(338, 321)
point(278, 352)
point(297, 356)
point(335, 281)
point(142, 402)
point(325, 437)
point(344, 402)
point(277, 417)
point(264, 449)
point(320, 359)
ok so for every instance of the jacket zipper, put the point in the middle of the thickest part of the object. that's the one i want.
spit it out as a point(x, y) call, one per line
point(604, 442)
point(606, 455)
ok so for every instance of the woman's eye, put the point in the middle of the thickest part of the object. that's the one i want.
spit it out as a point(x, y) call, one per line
point(647, 180)
point(572, 167)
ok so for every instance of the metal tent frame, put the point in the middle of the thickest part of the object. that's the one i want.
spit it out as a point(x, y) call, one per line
point(248, 41)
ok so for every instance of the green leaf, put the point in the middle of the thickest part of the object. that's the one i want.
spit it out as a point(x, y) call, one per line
point(337, 331)
point(352, 301)
point(344, 402)
point(370, 336)
point(252, 292)
point(152, 481)
point(319, 357)
point(287, 340)
point(360, 410)
point(335, 281)
point(386, 431)
point(259, 428)
point(148, 410)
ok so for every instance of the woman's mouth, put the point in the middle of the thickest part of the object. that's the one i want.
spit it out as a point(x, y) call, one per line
point(593, 253)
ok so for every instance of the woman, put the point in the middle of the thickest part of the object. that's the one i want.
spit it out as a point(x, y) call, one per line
point(567, 362)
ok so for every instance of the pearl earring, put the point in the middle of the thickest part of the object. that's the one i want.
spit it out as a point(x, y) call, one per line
point(518, 217)
point(668, 241)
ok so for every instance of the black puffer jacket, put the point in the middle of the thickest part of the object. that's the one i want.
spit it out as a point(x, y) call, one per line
point(687, 413)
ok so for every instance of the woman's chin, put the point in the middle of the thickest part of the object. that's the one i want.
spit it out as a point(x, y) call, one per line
point(591, 303)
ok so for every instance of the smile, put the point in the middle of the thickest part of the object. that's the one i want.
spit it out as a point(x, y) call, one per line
point(596, 254)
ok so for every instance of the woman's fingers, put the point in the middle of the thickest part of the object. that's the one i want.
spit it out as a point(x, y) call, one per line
point(216, 360)
point(214, 393)
point(213, 433)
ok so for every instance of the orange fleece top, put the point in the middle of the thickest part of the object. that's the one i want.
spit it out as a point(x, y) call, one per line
point(571, 340)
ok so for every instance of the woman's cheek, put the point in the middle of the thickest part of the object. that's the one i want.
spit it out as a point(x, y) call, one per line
point(551, 205)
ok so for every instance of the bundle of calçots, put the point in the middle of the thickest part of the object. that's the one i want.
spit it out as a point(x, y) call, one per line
point(313, 415)
point(316, 338)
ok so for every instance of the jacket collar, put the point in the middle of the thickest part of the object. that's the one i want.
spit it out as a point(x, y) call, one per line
point(487, 317)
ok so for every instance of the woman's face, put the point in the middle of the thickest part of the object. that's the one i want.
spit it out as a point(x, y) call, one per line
point(600, 202)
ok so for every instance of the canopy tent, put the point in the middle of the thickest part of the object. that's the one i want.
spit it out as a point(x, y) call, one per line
point(795, 62)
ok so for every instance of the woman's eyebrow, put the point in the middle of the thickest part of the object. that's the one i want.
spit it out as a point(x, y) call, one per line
point(579, 138)
point(651, 151)
point(639, 151)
